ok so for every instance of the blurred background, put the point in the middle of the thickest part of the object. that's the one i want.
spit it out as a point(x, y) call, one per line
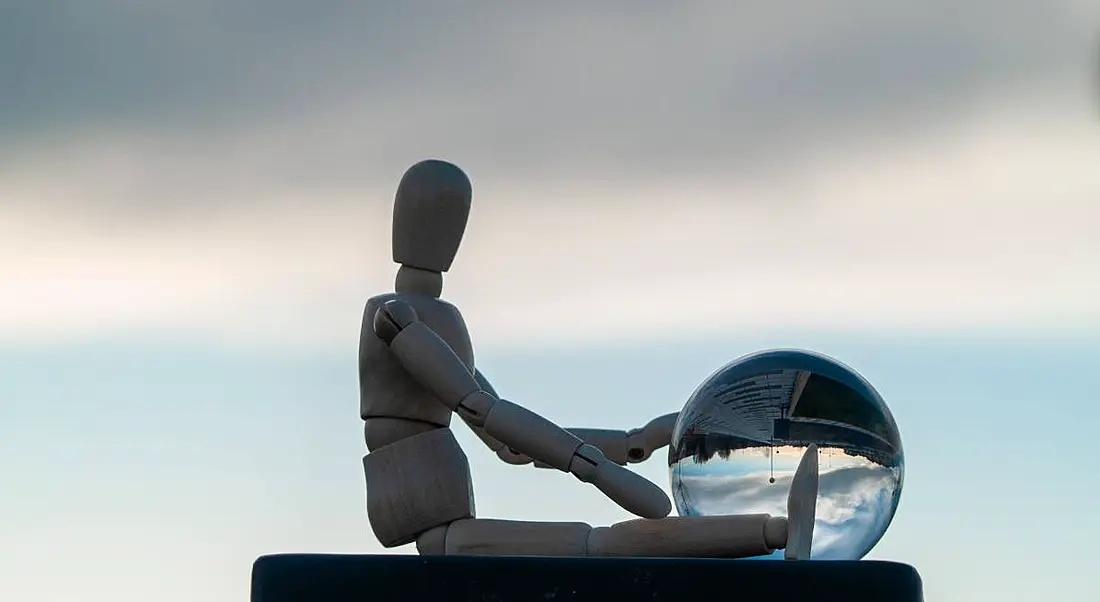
point(195, 201)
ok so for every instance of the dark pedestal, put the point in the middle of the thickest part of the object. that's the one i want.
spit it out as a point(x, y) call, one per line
point(330, 578)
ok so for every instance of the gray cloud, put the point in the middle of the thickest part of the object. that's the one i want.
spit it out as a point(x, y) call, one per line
point(854, 507)
point(339, 94)
point(117, 61)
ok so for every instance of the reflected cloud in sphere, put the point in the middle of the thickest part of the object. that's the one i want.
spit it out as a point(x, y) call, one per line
point(742, 433)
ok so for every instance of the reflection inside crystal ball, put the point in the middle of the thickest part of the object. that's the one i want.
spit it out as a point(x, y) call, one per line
point(741, 435)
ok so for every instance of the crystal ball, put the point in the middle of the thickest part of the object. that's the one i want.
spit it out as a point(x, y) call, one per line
point(742, 433)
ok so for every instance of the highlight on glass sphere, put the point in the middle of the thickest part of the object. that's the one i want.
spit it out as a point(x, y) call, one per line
point(741, 435)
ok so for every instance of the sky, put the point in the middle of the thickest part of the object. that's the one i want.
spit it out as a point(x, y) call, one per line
point(195, 201)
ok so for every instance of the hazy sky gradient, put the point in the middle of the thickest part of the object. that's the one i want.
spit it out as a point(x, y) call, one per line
point(194, 205)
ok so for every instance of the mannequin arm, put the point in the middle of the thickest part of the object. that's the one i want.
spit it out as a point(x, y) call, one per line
point(621, 447)
point(432, 362)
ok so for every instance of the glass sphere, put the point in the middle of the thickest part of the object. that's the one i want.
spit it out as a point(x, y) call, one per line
point(742, 433)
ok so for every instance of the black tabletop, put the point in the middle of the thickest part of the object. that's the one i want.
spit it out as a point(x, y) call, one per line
point(392, 578)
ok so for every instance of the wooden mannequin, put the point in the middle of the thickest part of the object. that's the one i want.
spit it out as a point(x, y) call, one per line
point(416, 368)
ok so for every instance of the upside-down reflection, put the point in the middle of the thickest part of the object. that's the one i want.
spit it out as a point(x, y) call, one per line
point(741, 435)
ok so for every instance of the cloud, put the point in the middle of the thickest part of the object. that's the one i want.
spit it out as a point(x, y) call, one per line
point(225, 171)
point(535, 89)
point(853, 510)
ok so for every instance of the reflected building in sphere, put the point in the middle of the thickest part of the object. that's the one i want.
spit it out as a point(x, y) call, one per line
point(740, 437)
